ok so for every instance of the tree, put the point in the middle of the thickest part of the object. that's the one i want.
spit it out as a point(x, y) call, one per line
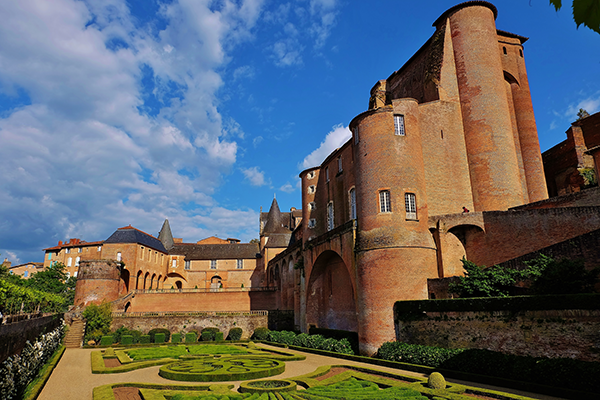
point(98, 320)
point(53, 280)
point(485, 282)
point(586, 12)
point(254, 241)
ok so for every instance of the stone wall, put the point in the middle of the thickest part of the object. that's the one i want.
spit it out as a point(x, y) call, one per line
point(13, 336)
point(557, 333)
point(186, 322)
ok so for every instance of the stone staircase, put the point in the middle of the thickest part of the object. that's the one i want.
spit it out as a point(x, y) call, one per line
point(74, 336)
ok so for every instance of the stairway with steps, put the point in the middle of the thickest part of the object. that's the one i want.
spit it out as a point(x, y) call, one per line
point(74, 336)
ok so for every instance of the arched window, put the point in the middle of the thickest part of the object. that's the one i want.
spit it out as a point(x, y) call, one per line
point(385, 205)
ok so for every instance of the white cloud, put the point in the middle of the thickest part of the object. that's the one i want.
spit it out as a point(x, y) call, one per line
point(82, 159)
point(334, 139)
point(255, 176)
point(287, 53)
point(288, 188)
point(590, 104)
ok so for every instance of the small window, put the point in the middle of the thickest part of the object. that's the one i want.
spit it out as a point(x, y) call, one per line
point(49, 256)
point(311, 189)
point(213, 264)
point(356, 134)
point(312, 206)
point(385, 205)
point(240, 264)
point(187, 264)
point(504, 49)
point(142, 252)
point(77, 261)
point(410, 202)
point(75, 274)
point(352, 203)
point(521, 53)
point(174, 263)
point(399, 125)
point(79, 249)
point(326, 174)
point(330, 222)
point(25, 274)
point(67, 250)
point(69, 262)
point(99, 248)
point(312, 223)
point(340, 169)
point(119, 256)
point(310, 175)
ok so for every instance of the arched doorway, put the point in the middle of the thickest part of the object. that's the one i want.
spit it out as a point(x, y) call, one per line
point(215, 283)
point(153, 282)
point(179, 285)
point(330, 295)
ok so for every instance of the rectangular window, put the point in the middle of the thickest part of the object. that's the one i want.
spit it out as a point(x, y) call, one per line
point(99, 248)
point(79, 249)
point(67, 251)
point(69, 262)
point(49, 256)
point(352, 203)
point(385, 204)
point(75, 274)
point(213, 264)
point(326, 174)
point(187, 264)
point(142, 252)
point(25, 274)
point(77, 261)
point(311, 189)
point(410, 202)
point(119, 256)
point(399, 125)
point(174, 263)
point(312, 206)
point(340, 164)
point(240, 264)
point(330, 216)
point(312, 223)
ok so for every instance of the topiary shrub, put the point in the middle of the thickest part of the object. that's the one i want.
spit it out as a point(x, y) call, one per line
point(208, 334)
point(126, 339)
point(191, 337)
point(106, 341)
point(436, 381)
point(235, 334)
point(261, 333)
point(219, 337)
point(154, 331)
point(145, 339)
point(176, 338)
point(159, 338)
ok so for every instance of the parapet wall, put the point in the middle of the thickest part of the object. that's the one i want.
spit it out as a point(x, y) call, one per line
point(13, 336)
point(186, 322)
point(512, 326)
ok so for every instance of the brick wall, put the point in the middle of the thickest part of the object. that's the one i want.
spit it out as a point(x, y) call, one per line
point(14, 336)
point(539, 333)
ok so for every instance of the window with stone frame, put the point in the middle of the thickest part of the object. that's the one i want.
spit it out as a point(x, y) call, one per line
point(352, 199)
point(399, 125)
point(240, 264)
point(186, 264)
point(410, 203)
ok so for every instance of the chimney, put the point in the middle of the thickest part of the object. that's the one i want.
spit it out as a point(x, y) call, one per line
point(60, 242)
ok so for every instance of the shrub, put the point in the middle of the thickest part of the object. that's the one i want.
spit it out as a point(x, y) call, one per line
point(176, 338)
point(285, 337)
point(126, 339)
point(436, 381)
point(98, 320)
point(219, 336)
point(191, 337)
point(154, 331)
point(416, 354)
point(145, 339)
point(261, 333)
point(159, 338)
point(208, 334)
point(106, 340)
point(235, 334)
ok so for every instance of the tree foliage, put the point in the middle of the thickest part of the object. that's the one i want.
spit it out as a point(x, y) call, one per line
point(98, 320)
point(586, 12)
point(543, 275)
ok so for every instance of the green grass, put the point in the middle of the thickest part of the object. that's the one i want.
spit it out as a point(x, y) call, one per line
point(216, 349)
point(152, 353)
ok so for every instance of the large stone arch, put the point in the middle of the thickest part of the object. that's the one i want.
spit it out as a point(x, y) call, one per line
point(330, 295)
point(174, 281)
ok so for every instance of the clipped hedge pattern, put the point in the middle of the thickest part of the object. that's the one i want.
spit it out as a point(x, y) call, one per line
point(235, 334)
point(261, 333)
point(559, 372)
point(209, 334)
point(127, 339)
point(191, 337)
point(319, 342)
point(176, 338)
point(222, 369)
point(106, 341)
point(145, 339)
point(159, 338)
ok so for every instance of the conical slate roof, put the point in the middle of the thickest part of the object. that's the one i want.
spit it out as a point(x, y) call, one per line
point(165, 235)
point(276, 221)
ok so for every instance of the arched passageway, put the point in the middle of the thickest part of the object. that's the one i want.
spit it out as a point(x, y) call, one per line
point(330, 296)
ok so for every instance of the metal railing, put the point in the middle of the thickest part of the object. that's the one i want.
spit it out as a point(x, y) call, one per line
point(204, 290)
point(190, 313)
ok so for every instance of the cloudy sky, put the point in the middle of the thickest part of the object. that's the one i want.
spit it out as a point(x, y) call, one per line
point(123, 112)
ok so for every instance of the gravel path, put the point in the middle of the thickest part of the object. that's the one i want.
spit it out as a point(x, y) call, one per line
point(72, 379)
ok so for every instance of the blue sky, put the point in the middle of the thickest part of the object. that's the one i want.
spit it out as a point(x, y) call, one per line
point(129, 112)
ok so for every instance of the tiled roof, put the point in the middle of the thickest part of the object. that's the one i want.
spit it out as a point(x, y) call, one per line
point(229, 251)
point(80, 244)
point(129, 234)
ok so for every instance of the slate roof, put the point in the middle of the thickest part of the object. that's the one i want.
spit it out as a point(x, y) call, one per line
point(165, 236)
point(129, 234)
point(228, 251)
point(279, 240)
